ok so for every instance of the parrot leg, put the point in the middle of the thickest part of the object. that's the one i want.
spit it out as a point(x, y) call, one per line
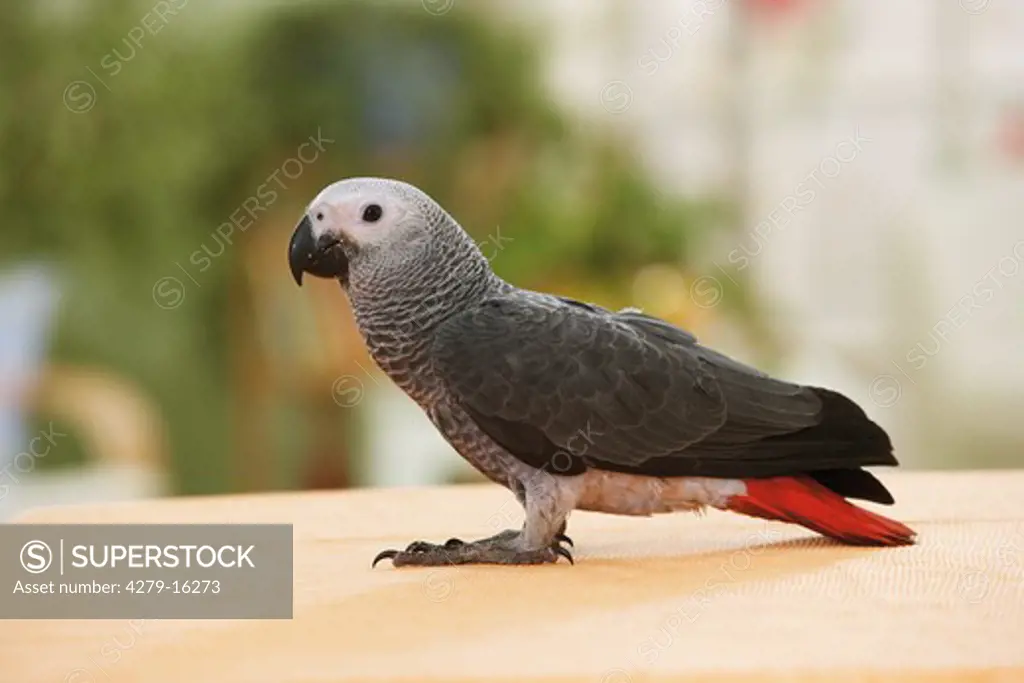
point(542, 540)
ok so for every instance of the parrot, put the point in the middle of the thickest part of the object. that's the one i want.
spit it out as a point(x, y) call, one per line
point(574, 406)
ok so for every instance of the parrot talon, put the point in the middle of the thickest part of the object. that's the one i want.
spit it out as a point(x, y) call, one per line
point(385, 555)
point(562, 538)
point(454, 543)
point(563, 552)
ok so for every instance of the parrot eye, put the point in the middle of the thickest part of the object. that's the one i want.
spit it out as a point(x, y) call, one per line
point(372, 213)
point(319, 215)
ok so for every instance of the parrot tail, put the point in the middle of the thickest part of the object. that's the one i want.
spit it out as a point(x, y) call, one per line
point(802, 500)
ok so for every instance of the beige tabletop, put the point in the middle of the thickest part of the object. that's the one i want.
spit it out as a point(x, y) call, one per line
point(677, 597)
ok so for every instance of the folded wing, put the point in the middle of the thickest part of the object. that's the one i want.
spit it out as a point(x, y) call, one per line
point(565, 386)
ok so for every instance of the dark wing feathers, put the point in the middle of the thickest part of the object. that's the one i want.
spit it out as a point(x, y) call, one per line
point(564, 386)
point(567, 372)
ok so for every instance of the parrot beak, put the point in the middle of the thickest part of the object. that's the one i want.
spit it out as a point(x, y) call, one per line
point(323, 257)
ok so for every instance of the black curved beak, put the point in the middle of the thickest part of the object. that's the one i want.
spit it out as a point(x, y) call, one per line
point(323, 257)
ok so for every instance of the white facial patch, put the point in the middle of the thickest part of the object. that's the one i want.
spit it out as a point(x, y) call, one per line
point(344, 209)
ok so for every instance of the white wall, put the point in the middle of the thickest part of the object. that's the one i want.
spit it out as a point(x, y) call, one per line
point(897, 233)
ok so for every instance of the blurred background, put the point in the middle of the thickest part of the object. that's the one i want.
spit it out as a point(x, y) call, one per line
point(831, 190)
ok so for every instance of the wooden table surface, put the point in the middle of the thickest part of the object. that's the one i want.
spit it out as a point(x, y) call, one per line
point(676, 597)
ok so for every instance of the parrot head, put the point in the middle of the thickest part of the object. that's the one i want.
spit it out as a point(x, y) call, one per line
point(359, 222)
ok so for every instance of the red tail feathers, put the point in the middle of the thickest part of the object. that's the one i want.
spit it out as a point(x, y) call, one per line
point(801, 500)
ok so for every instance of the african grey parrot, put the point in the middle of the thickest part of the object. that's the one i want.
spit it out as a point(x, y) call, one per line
point(573, 406)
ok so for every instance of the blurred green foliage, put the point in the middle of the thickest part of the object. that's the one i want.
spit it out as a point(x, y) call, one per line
point(120, 155)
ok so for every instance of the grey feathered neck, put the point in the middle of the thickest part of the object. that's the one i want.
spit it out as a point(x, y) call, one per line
point(402, 295)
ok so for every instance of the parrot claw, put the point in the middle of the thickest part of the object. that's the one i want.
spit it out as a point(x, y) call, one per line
point(416, 548)
point(562, 538)
point(563, 552)
point(384, 555)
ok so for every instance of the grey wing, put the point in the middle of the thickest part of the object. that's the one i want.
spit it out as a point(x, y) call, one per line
point(566, 386)
point(758, 405)
point(540, 378)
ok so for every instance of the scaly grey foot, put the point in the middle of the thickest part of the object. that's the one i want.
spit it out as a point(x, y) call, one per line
point(504, 548)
